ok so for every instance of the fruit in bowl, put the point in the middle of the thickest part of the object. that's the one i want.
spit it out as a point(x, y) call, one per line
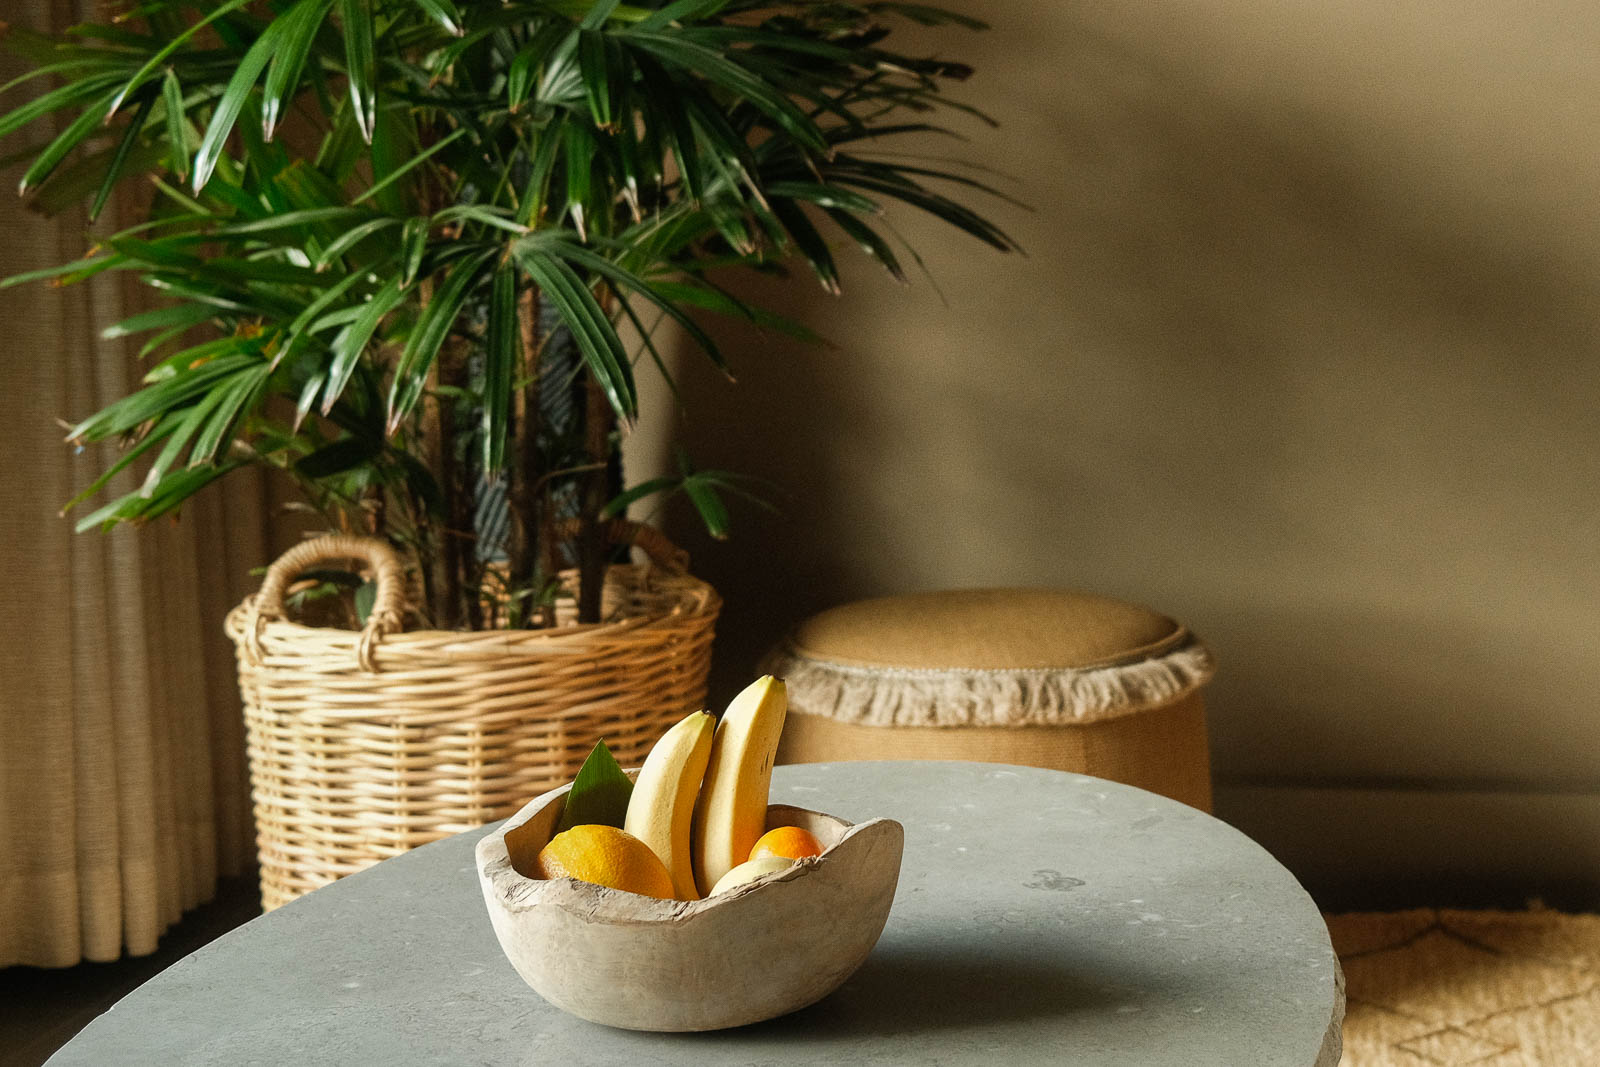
point(749, 910)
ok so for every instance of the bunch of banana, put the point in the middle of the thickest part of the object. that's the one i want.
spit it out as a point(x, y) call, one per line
point(700, 801)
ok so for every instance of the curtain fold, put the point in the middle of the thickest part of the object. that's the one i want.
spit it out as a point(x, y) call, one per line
point(123, 790)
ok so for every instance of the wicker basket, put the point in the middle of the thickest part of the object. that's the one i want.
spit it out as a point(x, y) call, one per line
point(365, 744)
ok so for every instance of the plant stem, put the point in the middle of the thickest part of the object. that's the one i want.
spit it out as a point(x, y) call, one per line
point(433, 532)
point(523, 490)
point(457, 544)
point(593, 551)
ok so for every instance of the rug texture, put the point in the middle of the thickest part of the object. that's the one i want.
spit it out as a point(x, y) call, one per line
point(1487, 988)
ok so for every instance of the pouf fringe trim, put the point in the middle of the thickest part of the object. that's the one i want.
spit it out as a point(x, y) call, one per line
point(891, 696)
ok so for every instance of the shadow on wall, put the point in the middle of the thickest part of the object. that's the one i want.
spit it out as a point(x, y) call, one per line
point(1274, 365)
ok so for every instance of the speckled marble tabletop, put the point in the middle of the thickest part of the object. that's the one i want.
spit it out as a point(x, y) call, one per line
point(1041, 917)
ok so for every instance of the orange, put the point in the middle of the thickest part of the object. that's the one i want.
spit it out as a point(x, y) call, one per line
point(790, 842)
point(606, 856)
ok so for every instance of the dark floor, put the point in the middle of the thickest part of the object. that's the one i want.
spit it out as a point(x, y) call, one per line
point(1508, 894)
point(40, 1009)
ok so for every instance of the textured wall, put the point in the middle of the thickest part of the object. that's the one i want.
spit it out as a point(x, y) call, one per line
point(1303, 352)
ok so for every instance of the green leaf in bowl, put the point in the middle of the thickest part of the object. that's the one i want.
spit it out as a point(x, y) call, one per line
point(599, 793)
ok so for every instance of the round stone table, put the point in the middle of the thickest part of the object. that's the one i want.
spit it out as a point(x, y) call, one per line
point(1041, 917)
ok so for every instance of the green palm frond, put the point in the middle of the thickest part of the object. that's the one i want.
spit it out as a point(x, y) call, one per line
point(349, 193)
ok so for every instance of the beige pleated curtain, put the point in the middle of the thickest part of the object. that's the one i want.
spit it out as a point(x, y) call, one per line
point(123, 791)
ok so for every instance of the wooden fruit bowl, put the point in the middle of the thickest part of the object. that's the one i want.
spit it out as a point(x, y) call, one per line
point(755, 952)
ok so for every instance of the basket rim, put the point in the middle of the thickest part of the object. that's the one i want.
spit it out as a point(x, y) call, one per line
point(693, 599)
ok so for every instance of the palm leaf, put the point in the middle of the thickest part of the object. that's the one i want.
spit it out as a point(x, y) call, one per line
point(724, 72)
point(596, 68)
point(87, 122)
point(519, 76)
point(233, 100)
point(158, 399)
point(177, 124)
point(809, 242)
point(433, 326)
point(444, 13)
point(160, 56)
point(416, 161)
point(303, 323)
point(501, 358)
point(162, 499)
point(686, 10)
point(626, 281)
point(352, 340)
point(596, 338)
point(536, 193)
point(352, 237)
point(360, 62)
point(180, 315)
point(155, 436)
point(301, 24)
point(870, 241)
point(75, 92)
point(611, 157)
point(706, 296)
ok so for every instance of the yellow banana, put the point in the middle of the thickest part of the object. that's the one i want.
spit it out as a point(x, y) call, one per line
point(731, 814)
point(749, 871)
point(662, 805)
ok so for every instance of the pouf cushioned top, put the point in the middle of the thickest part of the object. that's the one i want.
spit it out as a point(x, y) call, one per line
point(988, 657)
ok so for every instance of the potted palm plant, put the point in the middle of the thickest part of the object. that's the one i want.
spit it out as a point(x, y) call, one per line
point(409, 254)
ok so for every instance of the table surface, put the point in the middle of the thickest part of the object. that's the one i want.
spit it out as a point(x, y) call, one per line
point(1043, 917)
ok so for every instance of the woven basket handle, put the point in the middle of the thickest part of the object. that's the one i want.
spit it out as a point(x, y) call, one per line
point(648, 539)
point(388, 574)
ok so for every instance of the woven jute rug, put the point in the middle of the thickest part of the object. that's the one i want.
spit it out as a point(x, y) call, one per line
point(1487, 988)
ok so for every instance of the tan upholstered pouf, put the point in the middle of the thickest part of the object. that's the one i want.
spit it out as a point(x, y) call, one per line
point(1045, 678)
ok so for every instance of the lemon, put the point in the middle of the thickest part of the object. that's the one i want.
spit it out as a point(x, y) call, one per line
point(606, 856)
